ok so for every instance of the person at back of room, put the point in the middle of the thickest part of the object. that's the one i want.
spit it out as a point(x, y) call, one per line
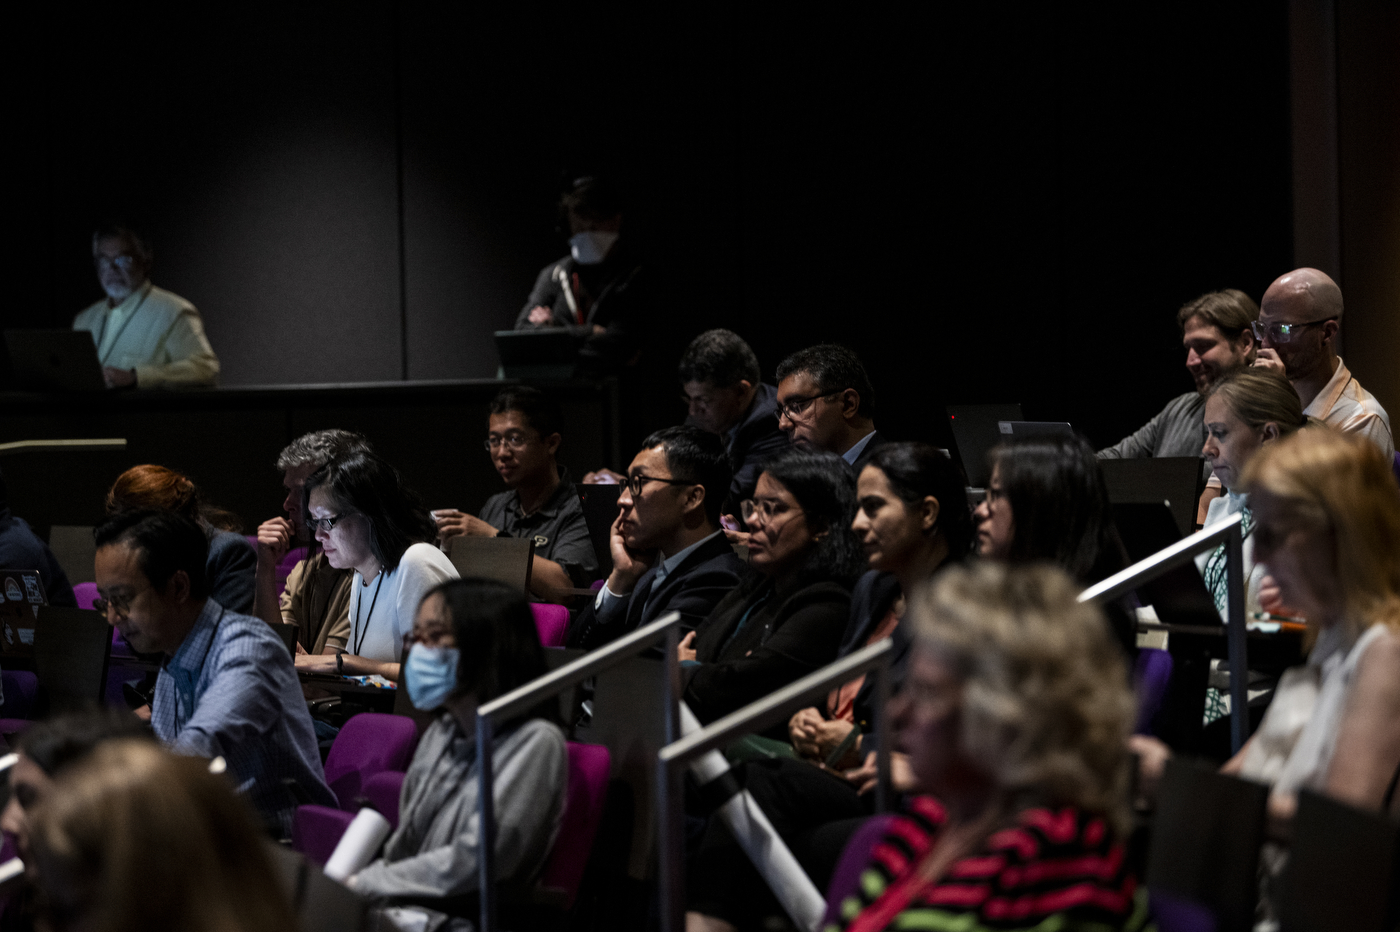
point(540, 502)
point(668, 551)
point(146, 336)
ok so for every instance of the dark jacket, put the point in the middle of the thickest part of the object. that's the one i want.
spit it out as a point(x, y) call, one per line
point(231, 570)
point(693, 588)
point(871, 599)
point(21, 549)
point(866, 455)
point(756, 441)
point(788, 634)
point(610, 295)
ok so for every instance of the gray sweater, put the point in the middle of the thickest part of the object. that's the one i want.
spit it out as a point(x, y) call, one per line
point(433, 852)
point(1178, 430)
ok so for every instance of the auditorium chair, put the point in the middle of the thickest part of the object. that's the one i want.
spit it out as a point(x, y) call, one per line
point(86, 594)
point(21, 690)
point(1151, 675)
point(1343, 869)
point(845, 880)
point(369, 743)
point(552, 621)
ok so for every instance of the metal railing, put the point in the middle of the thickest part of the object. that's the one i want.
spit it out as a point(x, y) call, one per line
point(69, 446)
point(1230, 533)
point(532, 694)
point(755, 716)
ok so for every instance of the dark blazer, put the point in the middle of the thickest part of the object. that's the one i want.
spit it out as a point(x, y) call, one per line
point(694, 588)
point(757, 440)
point(790, 633)
point(866, 455)
point(231, 570)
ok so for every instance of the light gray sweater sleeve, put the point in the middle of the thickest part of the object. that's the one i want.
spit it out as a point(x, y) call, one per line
point(1139, 444)
point(531, 773)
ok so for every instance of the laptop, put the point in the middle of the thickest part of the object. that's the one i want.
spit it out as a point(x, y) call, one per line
point(975, 432)
point(21, 596)
point(1172, 480)
point(550, 353)
point(599, 512)
point(1179, 596)
point(1023, 430)
point(54, 360)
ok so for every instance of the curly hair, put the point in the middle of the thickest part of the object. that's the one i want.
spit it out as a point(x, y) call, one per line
point(1046, 706)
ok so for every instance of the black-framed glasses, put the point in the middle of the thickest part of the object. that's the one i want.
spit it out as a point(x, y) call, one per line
point(1282, 333)
point(122, 606)
point(796, 407)
point(513, 440)
point(328, 524)
point(634, 484)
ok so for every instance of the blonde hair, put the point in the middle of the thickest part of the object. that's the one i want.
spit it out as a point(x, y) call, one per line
point(1046, 708)
point(1261, 396)
point(1340, 484)
point(135, 839)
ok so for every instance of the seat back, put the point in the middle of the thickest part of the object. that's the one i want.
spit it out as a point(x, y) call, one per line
point(316, 830)
point(552, 621)
point(319, 903)
point(583, 813)
point(1151, 676)
point(384, 790)
point(86, 594)
point(20, 690)
point(1344, 863)
point(1205, 842)
point(75, 550)
point(507, 559)
point(71, 651)
point(845, 880)
point(369, 743)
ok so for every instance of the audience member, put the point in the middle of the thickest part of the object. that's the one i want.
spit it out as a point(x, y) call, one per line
point(1298, 325)
point(367, 519)
point(316, 597)
point(597, 291)
point(146, 336)
point(1014, 718)
point(22, 549)
point(828, 403)
point(1216, 332)
point(233, 562)
point(541, 503)
point(136, 838)
point(669, 554)
point(226, 685)
point(787, 617)
point(474, 640)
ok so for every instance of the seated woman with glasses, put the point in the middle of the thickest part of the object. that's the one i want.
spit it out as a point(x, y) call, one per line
point(473, 640)
point(787, 617)
point(367, 519)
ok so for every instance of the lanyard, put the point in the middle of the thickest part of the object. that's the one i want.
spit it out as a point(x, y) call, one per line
point(126, 323)
point(368, 618)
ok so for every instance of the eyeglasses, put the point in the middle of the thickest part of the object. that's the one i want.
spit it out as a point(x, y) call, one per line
point(767, 507)
point(124, 262)
point(1282, 333)
point(634, 484)
point(328, 524)
point(122, 606)
point(514, 441)
point(795, 408)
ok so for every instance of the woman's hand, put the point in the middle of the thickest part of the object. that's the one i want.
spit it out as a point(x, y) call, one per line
point(864, 777)
point(685, 650)
point(816, 737)
point(1153, 755)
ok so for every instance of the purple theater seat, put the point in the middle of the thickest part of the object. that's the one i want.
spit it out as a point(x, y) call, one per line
point(589, 766)
point(1150, 677)
point(85, 593)
point(284, 566)
point(597, 584)
point(1395, 467)
point(552, 621)
point(21, 694)
point(369, 743)
point(384, 790)
point(316, 830)
point(846, 878)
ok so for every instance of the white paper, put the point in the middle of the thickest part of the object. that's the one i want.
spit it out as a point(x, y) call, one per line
point(361, 841)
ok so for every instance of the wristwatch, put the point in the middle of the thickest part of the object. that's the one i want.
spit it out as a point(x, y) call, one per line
point(340, 664)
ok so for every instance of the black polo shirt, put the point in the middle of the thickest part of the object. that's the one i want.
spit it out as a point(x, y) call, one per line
point(558, 528)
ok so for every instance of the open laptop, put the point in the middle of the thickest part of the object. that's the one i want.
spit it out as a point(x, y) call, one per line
point(1179, 596)
point(1173, 480)
point(54, 360)
point(551, 353)
point(1023, 430)
point(21, 596)
point(975, 432)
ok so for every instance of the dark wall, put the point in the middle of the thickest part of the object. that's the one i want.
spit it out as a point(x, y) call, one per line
point(988, 204)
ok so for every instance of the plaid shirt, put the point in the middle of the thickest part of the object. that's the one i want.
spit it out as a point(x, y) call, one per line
point(230, 690)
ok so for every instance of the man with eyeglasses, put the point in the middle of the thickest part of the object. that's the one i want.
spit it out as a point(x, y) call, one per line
point(668, 551)
point(1298, 325)
point(826, 402)
point(542, 503)
point(146, 337)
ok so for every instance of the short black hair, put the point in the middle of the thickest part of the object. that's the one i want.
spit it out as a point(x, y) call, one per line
point(915, 470)
point(721, 358)
point(835, 369)
point(825, 487)
point(695, 455)
point(166, 542)
point(365, 483)
point(539, 409)
point(60, 741)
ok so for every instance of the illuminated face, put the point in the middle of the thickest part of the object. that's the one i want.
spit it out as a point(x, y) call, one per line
point(996, 525)
point(779, 540)
point(1230, 442)
point(1306, 349)
point(1209, 354)
point(821, 419)
point(656, 513)
point(346, 542)
point(517, 450)
point(890, 531)
point(148, 619)
point(120, 268)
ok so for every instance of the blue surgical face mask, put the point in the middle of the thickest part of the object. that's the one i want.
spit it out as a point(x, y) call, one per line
point(591, 246)
point(430, 675)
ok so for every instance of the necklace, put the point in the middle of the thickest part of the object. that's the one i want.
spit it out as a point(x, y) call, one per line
point(358, 641)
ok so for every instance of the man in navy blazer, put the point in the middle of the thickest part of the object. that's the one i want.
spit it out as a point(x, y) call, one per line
point(668, 551)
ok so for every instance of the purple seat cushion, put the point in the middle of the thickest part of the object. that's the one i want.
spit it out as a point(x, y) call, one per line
point(589, 766)
point(845, 881)
point(85, 593)
point(384, 790)
point(369, 743)
point(316, 830)
point(1151, 676)
point(551, 621)
point(21, 693)
point(1172, 913)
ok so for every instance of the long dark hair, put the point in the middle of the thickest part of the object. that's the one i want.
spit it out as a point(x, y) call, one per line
point(916, 470)
point(823, 485)
point(363, 482)
point(1059, 506)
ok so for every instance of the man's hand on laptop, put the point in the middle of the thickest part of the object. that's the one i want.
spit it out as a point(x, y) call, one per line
point(119, 378)
point(453, 523)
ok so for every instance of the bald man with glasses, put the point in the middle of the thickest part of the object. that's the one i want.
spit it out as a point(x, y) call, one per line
point(1297, 328)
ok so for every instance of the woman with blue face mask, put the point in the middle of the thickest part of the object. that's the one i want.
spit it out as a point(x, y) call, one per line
point(472, 641)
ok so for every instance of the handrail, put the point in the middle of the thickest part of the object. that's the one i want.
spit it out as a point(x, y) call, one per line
point(73, 446)
point(531, 694)
point(753, 717)
point(1230, 533)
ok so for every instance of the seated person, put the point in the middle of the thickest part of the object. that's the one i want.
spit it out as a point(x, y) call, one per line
point(473, 640)
point(786, 618)
point(541, 502)
point(21, 549)
point(1216, 333)
point(669, 554)
point(366, 519)
point(146, 336)
point(226, 686)
point(1013, 718)
point(826, 402)
point(134, 837)
point(233, 562)
point(598, 290)
point(316, 597)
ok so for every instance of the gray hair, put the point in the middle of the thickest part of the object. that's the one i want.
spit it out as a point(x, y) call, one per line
point(320, 447)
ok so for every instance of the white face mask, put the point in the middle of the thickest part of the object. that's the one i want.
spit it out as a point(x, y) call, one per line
point(591, 246)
